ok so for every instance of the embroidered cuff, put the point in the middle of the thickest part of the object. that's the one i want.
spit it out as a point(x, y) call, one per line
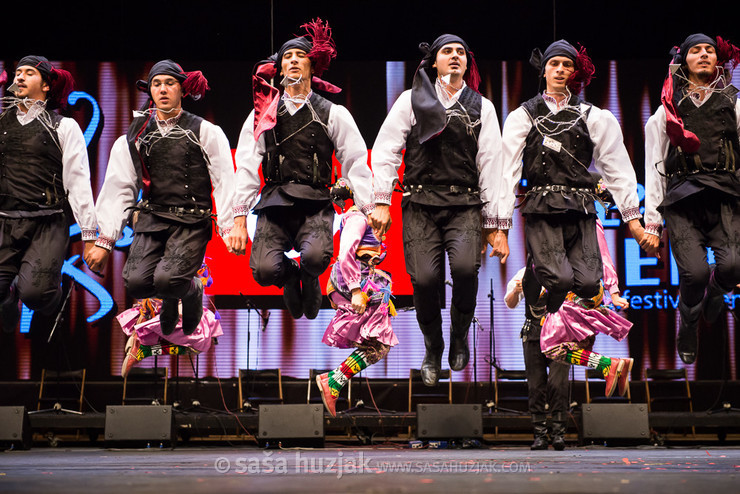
point(90, 234)
point(654, 229)
point(490, 223)
point(383, 197)
point(503, 223)
point(367, 209)
point(629, 214)
point(353, 284)
point(105, 242)
point(241, 210)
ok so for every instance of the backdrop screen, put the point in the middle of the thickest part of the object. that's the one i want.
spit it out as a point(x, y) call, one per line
point(103, 104)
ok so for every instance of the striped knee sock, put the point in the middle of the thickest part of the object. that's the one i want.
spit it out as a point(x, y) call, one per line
point(342, 374)
point(589, 359)
point(151, 350)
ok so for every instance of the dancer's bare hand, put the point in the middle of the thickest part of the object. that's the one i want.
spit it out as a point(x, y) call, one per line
point(95, 257)
point(358, 301)
point(620, 301)
point(498, 240)
point(651, 244)
point(636, 229)
point(238, 238)
point(380, 219)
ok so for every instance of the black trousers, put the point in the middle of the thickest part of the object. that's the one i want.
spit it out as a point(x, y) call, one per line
point(544, 387)
point(34, 250)
point(164, 257)
point(306, 227)
point(707, 219)
point(566, 256)
point(429, 232)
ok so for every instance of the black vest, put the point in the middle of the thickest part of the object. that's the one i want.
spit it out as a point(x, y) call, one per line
point(174, 169)
point(298, 156)
point(717, 162)
point(544, 165)
point(444, 166)
point(30, 165)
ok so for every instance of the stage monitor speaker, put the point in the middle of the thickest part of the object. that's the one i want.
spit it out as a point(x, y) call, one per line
point(291, 422)
point(622, 421)
point(15, 427)
point(139, 423)
point(443, 421)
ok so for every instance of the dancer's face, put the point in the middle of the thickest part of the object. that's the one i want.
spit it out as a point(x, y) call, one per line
point(557, 72)
point(701, 60)
point(295, 64)
point(451, 60)
point(166, 93)
point(30, 83)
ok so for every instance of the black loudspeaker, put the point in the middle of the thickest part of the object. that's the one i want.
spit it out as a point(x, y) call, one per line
point(15, 427)
point(438, 421)
point(622, 421)
point(304, 422)
point(139, 423)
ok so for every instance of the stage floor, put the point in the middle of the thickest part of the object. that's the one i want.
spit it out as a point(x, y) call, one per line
point(370, 469)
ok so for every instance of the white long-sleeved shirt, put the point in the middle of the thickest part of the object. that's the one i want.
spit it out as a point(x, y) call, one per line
point(656, 151)
point(120, 189)
point(75, 169)
point(610, 159)
point(386, 156)
point(349, 146)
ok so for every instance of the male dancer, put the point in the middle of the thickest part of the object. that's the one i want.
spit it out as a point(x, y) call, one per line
point(691, 179)
point(552, 139)
point(292, 137)
point(177, 159)
point(543, 387)
point(453, 158)
point(44, 167)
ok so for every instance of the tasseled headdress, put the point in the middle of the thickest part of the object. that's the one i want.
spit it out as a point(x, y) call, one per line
point(430, 114)
point(320, 48)
point(583, 66)
point(194, 84)
point(728, 56)
point(60, 82)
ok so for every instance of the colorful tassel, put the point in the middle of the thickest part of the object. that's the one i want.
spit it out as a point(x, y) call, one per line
point(323, 48)
point(584, 72)
point(195, 85)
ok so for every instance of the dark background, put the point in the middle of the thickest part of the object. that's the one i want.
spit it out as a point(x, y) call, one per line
point(364, 30)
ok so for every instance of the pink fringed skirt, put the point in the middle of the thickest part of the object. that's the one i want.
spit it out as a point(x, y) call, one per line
point(348, 329)
point(572, 323)
point(150, 333)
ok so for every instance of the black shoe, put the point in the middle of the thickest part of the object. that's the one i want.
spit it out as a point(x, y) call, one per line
point(539, 427)
point(431, 366)
point(558, 443)
point(459, 355)
point(168, 315)
point(687, 340)
point(540, 443)
point(292, 292)
point(312, 297)
point(192, 308)
point(9, 312)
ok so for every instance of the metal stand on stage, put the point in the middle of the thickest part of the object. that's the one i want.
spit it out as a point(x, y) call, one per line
point(264, 318)
point(57, 407)
point(491, 359)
